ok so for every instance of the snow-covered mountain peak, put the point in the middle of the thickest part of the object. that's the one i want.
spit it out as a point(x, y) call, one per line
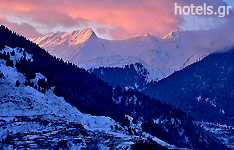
point(69, 39)
point(146, 34)
point(79, 36)
point(86, 33)
point(173, 34)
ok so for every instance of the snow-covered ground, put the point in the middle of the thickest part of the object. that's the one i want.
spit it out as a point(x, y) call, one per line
point(18, 53)
point(36, 103)
point(160, 56)
point(223, 132)
point(30, 118)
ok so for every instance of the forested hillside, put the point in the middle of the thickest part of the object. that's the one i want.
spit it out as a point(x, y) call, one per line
point(93, 96)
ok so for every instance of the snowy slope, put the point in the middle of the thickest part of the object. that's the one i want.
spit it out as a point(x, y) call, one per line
point(30, 118)
point(41, 104)
point(222, 131)
point(161, 56)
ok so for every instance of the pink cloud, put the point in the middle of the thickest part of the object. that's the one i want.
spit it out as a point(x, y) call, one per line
point(125, 17)
point(102, 30)
point(23, 29)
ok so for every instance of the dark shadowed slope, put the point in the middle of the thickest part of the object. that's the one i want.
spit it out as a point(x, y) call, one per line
point(205, 89)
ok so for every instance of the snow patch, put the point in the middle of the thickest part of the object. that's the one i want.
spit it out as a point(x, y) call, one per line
point(17, 53)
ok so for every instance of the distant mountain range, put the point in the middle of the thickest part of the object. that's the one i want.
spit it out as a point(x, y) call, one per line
point(160, 56)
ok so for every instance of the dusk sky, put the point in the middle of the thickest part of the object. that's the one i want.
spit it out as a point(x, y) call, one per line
point(111, 19)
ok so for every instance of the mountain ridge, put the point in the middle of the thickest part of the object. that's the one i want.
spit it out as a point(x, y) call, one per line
point(160, 56)
point(75, 37)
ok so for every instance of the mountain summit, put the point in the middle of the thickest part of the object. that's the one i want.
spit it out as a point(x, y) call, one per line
point(69, 38)
point(160, 56)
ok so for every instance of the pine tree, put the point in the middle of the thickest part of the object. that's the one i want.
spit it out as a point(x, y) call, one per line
point(13, 53)
point(9, 63)
point(1, 74)
point(17, 83)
